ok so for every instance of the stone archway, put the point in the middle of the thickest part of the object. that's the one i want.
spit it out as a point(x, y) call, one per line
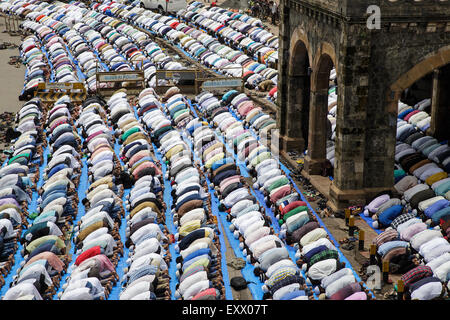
point(430, 62)
point(436, 63)
point(294, 114)
point(317, 135)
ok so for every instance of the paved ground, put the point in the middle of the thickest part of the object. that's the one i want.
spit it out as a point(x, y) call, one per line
point(11, 82)
point(11, 76)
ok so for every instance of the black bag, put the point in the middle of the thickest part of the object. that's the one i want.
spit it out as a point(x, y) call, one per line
point(239, 283)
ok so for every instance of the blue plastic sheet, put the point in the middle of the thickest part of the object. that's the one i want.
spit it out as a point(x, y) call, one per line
point(169, 223)
point(276, 226)
point(256, 285)
point(82, 187)
point(18, 258)
point(121, 264)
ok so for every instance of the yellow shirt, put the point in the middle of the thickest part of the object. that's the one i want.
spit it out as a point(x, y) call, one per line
point(188, 227)
point(133, 137)
point(213, 147)
point(174, 150)
point(35, 243)
point(147, 204)
point(252, 113)
point(129, 123)
point(105, 180)
point(215, 158)
point(436, 177)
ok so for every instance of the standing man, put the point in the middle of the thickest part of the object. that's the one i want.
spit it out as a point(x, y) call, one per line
point(255, 9)
point(274, 11)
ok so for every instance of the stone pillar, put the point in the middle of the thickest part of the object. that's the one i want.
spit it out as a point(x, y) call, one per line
point(283, 66)
point(317, 141)
point(288, 120)
point(440, 104)
point(297, 110)
point(365, 128)
point(317, 131)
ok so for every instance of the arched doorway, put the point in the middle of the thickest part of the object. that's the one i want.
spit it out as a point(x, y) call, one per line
point(320, 127)
point(424, 110)
point(299, 87)
point(295, 111)
point(430, 94)
point(430, 77)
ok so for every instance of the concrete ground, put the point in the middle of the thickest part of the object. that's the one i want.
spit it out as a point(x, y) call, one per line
point(11, 82)
point(11, 76)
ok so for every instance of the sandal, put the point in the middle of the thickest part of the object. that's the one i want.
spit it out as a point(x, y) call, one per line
point(343, 240)
point(389, 294)
point(348, 246)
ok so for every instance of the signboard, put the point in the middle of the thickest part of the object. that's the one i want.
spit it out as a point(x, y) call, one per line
point(120, 76)
point(177, 75)
point(60, 86)
point(185, 79)
point(51, 92)
point(135, 82)
point(221, 83)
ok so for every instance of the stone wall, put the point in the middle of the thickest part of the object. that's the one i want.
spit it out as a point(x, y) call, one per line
point(373, 68)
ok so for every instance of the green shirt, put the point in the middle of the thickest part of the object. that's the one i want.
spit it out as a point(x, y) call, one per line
point(279, 183)
point(160, 131)
point(241, 137)
point(260, 158)
point(16, 158)
point(399, 173)
point(180, 112)
point(200, 262)
point(323, 255)
point(293, 212)
point(129, 132)
point(37, 242)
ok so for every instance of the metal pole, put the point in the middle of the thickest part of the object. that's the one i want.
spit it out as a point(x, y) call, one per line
point(351, 226)
point(17, 23)
point(8, 26)
point(385, 271)
point(361, 240)
point(347, 216)
point(373, 251)
point(400, 289)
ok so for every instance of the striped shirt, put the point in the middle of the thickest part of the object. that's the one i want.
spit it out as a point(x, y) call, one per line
point(280, 274)
point(416, 274)
point(386, 236)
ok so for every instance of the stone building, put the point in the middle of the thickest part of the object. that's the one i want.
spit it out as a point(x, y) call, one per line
point(374, 66)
